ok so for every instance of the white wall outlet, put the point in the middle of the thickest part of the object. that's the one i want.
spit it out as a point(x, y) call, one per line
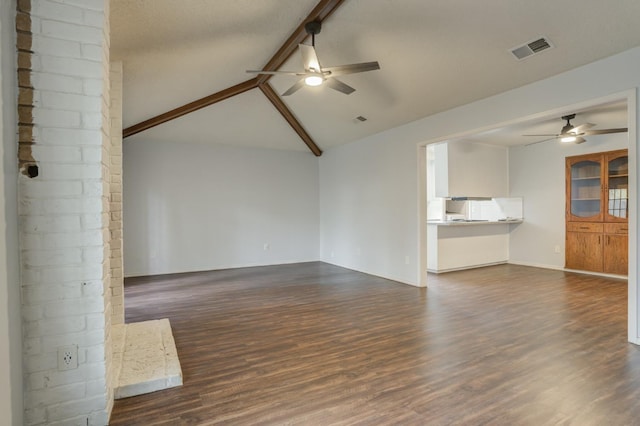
point(556, 249)
point(332, 254)
point(266, 247)
point(406, 260)
point(67, 357)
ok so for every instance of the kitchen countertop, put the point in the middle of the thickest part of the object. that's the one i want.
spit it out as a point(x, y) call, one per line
point(472, 222)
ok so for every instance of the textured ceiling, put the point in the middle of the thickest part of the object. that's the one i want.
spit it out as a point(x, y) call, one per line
point(434, 56)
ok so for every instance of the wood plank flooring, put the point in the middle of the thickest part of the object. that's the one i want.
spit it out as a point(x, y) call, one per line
point(315, 344)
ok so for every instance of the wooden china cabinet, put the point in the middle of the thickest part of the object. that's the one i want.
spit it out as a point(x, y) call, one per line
point(596, 212)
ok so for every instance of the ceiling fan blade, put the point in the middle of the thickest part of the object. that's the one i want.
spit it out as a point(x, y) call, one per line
point(336, 84)
point(579, 139)
point(544, 135)
point(294, 88)
point(309, 58)
point(275, 72)
point(352, 68)
point(605, 131)
point(581, 128)
point(544, 140)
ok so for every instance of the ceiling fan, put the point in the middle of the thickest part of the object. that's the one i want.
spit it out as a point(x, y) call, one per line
point(314, 74)
point(571, 134)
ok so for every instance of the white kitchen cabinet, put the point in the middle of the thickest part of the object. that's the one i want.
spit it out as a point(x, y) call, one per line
point(465, 169)
point(451, 247)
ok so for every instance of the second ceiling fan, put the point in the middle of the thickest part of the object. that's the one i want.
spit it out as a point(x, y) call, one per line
point(571, 134)
point(314, 74)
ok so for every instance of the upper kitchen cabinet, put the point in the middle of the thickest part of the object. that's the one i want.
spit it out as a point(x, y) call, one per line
point(465, 169)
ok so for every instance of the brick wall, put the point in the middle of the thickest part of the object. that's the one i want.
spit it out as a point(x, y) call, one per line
point(64, 185)
point(25, 88)
point(117, 281)
point(106, 206)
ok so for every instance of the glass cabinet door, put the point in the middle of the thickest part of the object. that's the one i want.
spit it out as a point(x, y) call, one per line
point(617, 188)
point(586, 190)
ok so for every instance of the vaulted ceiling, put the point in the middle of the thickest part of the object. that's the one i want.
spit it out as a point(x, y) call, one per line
point(434, 56)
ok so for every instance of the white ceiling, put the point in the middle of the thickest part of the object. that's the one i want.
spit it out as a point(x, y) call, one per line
point(434, 56)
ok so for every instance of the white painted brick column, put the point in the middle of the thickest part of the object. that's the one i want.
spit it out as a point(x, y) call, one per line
point(117, 276)
point(64, 210)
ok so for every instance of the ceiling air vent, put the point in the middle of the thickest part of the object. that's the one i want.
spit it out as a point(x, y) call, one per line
point(531, 48)
point(361, 118)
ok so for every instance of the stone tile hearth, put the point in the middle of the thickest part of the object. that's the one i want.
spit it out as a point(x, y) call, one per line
point(145, 358)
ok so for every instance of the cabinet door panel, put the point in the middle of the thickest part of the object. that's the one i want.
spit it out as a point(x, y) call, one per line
point(584, 251)
point(584, 177)
point(617, 184)
point(615, 254)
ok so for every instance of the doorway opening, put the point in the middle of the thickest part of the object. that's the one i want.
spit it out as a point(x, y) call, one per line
point(549, 154)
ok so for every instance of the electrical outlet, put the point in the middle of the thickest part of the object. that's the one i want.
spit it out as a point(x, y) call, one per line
point(406, 260)
point(67, 357)
point(556, 249)
point(266, 246)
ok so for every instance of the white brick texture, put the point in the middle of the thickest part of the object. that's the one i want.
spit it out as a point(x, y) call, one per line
point(62, 48)
point(56, 118)
point(117, 280)
point(81, 68)
point(56, 82)
point(60, 12)
point(43, 189)
point(70, 31)
point(65, 215)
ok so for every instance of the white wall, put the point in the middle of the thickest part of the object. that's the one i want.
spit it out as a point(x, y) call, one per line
point(537, 173)
point(10, 321)
point(369, 188)
point(465, 169)
point(368, 207)
point(191, 207)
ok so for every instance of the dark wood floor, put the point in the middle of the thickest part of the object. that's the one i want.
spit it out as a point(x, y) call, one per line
point(315, 344)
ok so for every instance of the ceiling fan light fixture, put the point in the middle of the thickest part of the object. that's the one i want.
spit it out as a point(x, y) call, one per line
point(313, 80)
point(566, 129)
point(314, 74)
point(574, 134)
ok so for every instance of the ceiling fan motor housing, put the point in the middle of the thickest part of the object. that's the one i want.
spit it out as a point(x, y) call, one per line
point(567, 127)
point(313, 27)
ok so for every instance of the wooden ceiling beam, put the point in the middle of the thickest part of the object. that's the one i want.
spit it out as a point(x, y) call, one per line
point(191, 107)
point(291, 119)
point(322, 10)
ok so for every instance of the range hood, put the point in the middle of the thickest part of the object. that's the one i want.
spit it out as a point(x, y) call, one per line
point(470, 198)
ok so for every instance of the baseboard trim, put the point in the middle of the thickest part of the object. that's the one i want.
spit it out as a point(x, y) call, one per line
point(574, 271)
